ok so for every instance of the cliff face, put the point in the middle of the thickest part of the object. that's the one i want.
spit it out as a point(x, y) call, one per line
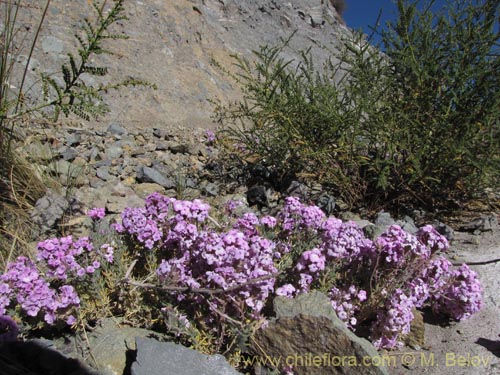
point(172, 43)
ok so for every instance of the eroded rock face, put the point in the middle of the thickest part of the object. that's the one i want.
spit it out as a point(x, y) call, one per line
point(308, 336)
point(172, 44)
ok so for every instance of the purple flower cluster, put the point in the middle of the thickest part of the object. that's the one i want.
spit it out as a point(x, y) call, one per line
point(297, 216)
point(241, 259)
point(461, 294)
point(36, 287)
point(422, 277)
point(392, 321)
point(346, 303)
point(34, 294)
point(96, 213)
point(153, 224)
point(194, 254)
point(67, 258)
point(396, 247)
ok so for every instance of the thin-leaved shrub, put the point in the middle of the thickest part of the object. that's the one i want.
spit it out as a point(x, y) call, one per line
point(416, 124)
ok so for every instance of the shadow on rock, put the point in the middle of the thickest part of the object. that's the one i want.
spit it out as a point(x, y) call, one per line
point(35, 358)
point(492, 346)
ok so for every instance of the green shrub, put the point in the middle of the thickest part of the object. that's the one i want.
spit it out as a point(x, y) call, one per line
point(417, 124)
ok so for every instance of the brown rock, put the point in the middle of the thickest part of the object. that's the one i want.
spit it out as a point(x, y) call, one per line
point(416, 338)
point(308, 336)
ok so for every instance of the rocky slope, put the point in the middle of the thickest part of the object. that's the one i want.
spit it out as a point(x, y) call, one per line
point(150, 141)
point(172, 44)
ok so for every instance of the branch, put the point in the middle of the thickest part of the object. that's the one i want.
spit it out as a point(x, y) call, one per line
point(483, 263)
point(172, 288)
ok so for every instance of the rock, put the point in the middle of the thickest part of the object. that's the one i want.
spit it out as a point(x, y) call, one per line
point(384, 219)
point(160, 133)
point(327, 203)
point(361, 223)
point(108, 347)
point(484, 223)
point(103, 173)
point(121, 196)
point(68, 153)
point(257, 195)
point(444, 230)
point(372, 231)
point(116, 129)
point(211, 189)
point(416, 338)
point(299, 190)
point(73, 139)
point(52, 45)
point(148, 174)
point(49, 210)
point(114, 152)
point(177, 148)
point(39, 152)
point(160, 358)
point(408, 225)
point(308, 335)
point(145, 189)
point(38, 357)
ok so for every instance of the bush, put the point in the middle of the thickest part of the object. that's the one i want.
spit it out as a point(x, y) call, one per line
point(171, 266)
point(417, 124)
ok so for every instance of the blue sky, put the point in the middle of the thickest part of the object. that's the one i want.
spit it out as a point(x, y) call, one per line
point(363, 13)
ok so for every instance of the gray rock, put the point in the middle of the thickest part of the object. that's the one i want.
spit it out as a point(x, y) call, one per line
point(372, 231)
point(73, 139)
point(116, 129)
point(52, 45)
point(68, 153)
point(147, 174)
point(384, 219)
point(298, 189)
point(444, 230)
point(178, 148)
point(39, 152)
point(38, 357)
point(307, 327)
point(408, 225)
point(103, 173)
point(484, 223)
point(107, 347)
point(145, 189)
point(114, 152)
point(160, 133)
point(160, 358)
point(327, 203)
point(49, 210)
point(118, 197)
point(211, 189)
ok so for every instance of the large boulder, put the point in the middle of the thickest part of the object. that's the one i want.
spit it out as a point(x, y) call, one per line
point(307, 337)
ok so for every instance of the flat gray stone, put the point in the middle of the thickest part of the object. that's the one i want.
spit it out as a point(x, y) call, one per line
point(147, 174)
point(161, 358)
point(116, 129)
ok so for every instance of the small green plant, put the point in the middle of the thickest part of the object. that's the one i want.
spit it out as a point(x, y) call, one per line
point(417, 124)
